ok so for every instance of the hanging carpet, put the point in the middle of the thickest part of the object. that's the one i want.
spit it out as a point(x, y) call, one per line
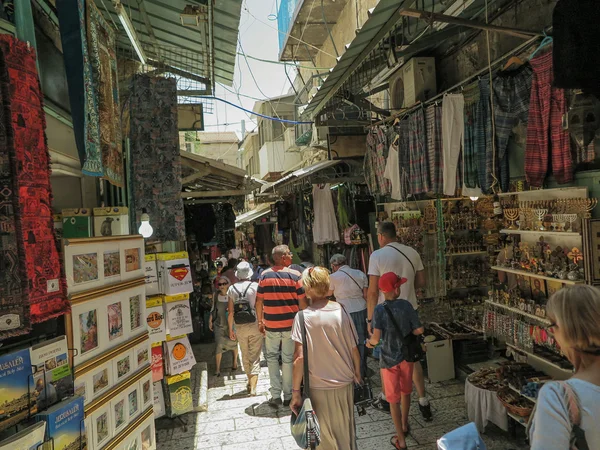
point(30, 168)
point(82, 95)
point(103, 58)
point(155, 161)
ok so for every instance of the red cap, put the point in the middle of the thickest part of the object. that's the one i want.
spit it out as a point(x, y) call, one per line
point(388, 282)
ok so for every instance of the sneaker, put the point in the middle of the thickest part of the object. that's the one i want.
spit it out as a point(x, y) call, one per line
point(426, 412)
point(382, 405)
point(275, 402)
point(286, 403)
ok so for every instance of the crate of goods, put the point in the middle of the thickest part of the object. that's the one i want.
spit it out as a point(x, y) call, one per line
point(471, 351)
point(174, 274)
point(111, 221)
point(77, 223)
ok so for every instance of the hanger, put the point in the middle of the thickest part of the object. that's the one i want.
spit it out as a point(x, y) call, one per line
point(545, 42)
point(396, 140)
point(396, 121)
point(513, 61)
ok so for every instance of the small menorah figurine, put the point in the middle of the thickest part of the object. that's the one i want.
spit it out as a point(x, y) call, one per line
point(511, 214)
point(540, 214)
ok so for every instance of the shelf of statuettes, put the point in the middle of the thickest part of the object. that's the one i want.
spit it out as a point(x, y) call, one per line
point(544, 261)
point(562, 215)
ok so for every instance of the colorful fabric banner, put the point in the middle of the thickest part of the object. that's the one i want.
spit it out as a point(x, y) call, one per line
point(30, 169)
point(155, 162)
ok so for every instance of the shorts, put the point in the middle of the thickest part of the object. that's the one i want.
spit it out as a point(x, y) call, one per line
point(397, 381)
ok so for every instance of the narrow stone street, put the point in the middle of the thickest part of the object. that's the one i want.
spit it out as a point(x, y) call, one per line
point(235, 421)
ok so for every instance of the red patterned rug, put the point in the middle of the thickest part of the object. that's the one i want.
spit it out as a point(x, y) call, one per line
point(31, 168)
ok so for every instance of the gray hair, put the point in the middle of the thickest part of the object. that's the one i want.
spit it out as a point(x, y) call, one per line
point(337, 260)
point(279, 251)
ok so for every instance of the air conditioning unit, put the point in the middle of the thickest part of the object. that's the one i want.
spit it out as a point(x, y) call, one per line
point(413, 82)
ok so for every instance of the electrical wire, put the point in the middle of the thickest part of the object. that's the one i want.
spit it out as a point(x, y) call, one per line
point(285, 63)
point(277, 119)
point(256, 98)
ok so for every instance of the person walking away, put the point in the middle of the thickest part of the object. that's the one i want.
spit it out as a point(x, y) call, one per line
point(229, 271)
point(260, 263)
point(568, 412)
point(279, 298)
point(305, 262)
point(350, 286)
point(405, 262)
point(218, 324)
point(242, 313)
point(333, 363)
point(392, 317)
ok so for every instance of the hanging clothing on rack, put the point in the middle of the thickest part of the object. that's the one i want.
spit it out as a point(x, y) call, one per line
point(511, 104)
point(419, 167)
point(547, 107)
point(392, 173)
point(470, 148)
point(404, 158)
point(369, 163)
point(378, 164)
point(325, 227)
point(434, 149)
point(483, 137)
point(453, 125)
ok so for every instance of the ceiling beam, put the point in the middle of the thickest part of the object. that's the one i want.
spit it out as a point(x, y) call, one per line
point(193, 177)
point(436, 17)
point(208, 194)
point(146, 19)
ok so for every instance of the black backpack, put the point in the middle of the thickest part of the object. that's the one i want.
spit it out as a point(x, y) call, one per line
point(242, 311)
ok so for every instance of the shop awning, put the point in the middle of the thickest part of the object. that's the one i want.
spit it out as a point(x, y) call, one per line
point(255, 214)
point(310, 171)
point(207, 178)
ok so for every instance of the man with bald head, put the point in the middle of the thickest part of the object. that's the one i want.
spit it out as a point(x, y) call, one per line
point(279, 298)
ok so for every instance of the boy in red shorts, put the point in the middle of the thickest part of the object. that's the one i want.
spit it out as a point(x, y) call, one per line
point(396, 372)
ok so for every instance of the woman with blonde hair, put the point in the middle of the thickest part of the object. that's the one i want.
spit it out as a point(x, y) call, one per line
point(568, 412)
point(333, 362)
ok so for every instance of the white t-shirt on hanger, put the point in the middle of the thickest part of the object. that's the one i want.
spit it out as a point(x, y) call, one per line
point(392, 173)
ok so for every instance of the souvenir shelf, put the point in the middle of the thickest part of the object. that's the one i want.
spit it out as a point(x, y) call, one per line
point(534, 275)
point(542, 233)
point(519, 312)
point(532, 358)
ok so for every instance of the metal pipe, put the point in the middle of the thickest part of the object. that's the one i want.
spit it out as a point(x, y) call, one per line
point(211, 44)
point(328, 30)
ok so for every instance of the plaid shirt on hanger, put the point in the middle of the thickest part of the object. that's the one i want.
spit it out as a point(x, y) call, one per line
point(434, 149)
point(419, 164)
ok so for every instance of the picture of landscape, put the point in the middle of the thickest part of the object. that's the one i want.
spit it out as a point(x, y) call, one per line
point(132, 259)
point(146, 392)
point(133, 403)
point(85, 268)
point(100, 380)
point(14, 385)
point(115, 321)
point(112, 264)
point(88, 330)
point(135, 312)
point(119, 413)
point(142, 356)
point(147, 438)
point(101, 427)
point(123, 367)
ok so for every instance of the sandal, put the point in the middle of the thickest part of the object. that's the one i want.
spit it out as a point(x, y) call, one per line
point(396, 445)
point(234, 368)
point(218, 374)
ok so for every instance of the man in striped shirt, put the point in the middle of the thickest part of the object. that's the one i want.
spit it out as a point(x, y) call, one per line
point(279, 297)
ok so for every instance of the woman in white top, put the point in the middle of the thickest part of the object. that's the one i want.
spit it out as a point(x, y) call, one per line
point(242, 322)
point(350, 287)
point(568, 413)
point(218, 324)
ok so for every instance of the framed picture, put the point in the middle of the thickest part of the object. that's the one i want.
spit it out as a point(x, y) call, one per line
point(135, 312)
point(103, 321)
point(538, 289)
point(123, 366)
point(81, 389)
point(134, 407)
point(142, 355)
point(553, 286)
point(524, 286)
point(147, 434)
point(131, 443)
point(146, 391)
point(119, 412)
point(91, 263)
point(102, 426)
point(102, 379)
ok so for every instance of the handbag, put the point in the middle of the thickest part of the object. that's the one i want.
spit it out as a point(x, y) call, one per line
point(305, 426)
point(411, 344)
point(463, 438)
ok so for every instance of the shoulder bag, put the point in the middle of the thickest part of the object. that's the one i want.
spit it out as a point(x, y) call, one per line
point(411, 345)
point(403, 254)
point(305, 426)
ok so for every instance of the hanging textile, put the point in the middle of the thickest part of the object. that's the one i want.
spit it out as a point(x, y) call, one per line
point(29, 163)
point(470, 149)
point(453, 125)
point(369, 164)
point(325, 227)
point(155, 161)
point(404, 158)
point(483, 137)
point(392, 173)
point(376, 142)
point(511, 105)
point(103, 58)
point(547, 107)
point(419, 165)
point(82, 97)
point(435, 161)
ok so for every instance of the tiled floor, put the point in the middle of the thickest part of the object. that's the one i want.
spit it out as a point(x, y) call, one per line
point(237, 422)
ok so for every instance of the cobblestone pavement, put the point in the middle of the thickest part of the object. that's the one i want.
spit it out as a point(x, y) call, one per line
point(237, 422)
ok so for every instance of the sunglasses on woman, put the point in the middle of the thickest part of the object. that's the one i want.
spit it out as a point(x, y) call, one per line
point(222, 284)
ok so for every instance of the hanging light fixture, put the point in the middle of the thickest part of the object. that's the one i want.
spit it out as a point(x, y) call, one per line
point(145, 229)
point(474, 199)
point(130, 30)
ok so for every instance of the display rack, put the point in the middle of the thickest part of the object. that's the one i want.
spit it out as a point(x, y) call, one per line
point(534, 275)
point(519, 312)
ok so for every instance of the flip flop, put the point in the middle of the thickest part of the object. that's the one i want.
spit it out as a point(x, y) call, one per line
point(395, 444)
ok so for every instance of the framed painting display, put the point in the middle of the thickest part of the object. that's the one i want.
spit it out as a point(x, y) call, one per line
point(99, 376)
point(133, 400)
point(119, 412)
point(142, 355)
point(146, 394)
point(92, 263)
point(102, 426)
point(148, 434)
point(103, 320)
